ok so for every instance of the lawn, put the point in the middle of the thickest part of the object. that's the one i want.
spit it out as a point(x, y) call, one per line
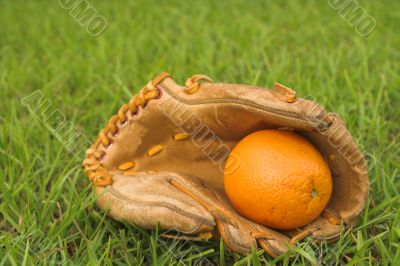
point(47, 210)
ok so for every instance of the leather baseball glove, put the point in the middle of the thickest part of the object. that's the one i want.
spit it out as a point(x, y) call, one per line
point(160, 160)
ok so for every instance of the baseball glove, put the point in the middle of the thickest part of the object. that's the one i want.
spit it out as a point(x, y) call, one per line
point(160, 160)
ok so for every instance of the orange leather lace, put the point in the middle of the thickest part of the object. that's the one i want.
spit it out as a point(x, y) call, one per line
point(94, 169)
point(192, 84)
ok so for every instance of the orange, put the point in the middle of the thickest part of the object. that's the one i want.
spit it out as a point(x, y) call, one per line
point(277, 178)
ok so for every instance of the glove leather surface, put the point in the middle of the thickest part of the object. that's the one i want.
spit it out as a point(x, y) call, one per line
point(180, 187)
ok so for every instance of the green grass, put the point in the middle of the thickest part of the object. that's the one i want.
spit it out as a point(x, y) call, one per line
point(47, 211)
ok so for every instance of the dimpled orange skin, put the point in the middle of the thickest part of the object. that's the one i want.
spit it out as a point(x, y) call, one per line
point(277, 178)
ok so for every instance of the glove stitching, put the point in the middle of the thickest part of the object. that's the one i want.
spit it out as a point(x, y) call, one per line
point(223, 220)
point(170, 206)
point(94, 169)
point(324, 123)
point(98, 174)
point(263, 239)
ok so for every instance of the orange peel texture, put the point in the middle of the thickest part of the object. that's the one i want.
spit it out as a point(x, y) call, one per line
point(278, 179)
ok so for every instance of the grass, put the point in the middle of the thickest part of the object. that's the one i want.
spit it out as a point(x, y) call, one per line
point(47, 211)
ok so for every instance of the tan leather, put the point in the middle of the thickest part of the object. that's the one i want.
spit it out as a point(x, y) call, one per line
point(177, 181)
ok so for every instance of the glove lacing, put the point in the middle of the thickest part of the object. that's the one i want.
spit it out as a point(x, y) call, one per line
point(94, 169)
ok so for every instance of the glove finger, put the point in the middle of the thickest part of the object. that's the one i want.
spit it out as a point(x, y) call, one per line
point(238, 233)
point(235, 234)
point(147, 199)
point(320, 229)
point(273, 242)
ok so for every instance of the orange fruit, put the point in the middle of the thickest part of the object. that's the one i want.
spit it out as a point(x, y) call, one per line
point(277, 178)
